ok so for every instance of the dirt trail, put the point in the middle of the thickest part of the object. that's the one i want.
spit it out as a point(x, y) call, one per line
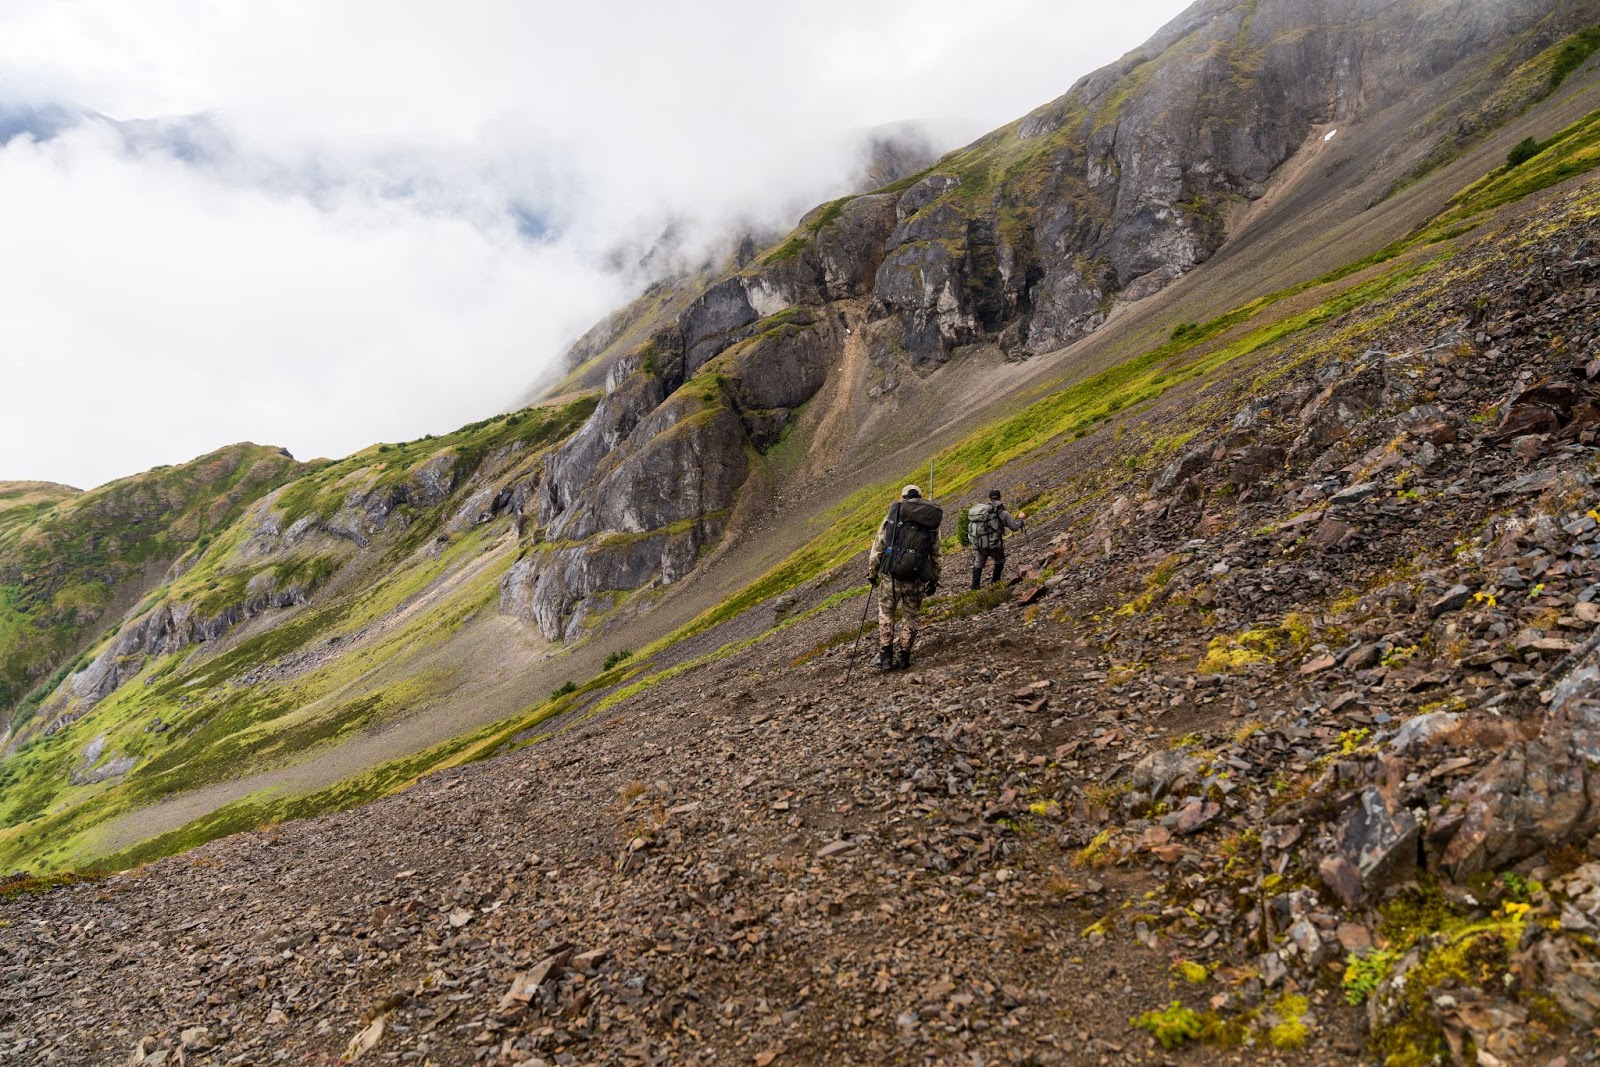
point(840, 402)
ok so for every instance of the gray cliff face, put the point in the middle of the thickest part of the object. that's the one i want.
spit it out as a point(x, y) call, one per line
point(1028, 237)
point(1024, 240)
point(170, 627)
point(888, 154)
point(643, 489)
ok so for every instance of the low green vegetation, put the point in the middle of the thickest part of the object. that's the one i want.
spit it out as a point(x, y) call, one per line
point(1259, 644)
point(28, 706)
point(968, 602)
point(16, 886)
point(796, 242)
point(786, 251)
point(1281, 1025)
point(1288, 1029)
point(1531, 166)
point(1571, 53)
point(1522, 151)
point(1364, 971)
point(1173, 1025)
point(1456, 954)
point(828, 215)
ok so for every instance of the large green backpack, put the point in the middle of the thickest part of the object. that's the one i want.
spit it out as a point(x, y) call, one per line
point(913, 532)
point(983, 526)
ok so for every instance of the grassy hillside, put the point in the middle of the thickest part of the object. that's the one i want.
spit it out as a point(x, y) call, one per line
point(260, 683)
point(66, 558)
point(19, 500)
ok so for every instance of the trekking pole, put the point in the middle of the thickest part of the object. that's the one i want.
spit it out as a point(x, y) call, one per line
point(866, 604)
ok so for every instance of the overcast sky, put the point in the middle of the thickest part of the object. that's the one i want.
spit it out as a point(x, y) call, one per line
point(374, 219)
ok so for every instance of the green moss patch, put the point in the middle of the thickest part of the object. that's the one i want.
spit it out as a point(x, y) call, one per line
point(19, 885)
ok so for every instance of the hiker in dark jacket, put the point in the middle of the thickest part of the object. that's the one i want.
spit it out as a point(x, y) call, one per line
point(904, 595)
point(986, 530)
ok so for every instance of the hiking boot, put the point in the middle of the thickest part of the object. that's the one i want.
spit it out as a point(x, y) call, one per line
point(885, 660)
point(902, 659)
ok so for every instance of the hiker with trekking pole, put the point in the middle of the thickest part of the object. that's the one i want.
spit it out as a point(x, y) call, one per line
point(906, 551)
point(986, 532)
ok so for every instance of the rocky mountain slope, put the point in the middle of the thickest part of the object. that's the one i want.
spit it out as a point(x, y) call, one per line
point(1258, 472)
point(887, 154)
point(1277, 747)
point(1020, 244)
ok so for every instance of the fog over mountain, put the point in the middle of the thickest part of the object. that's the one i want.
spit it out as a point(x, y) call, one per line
point(323, 227)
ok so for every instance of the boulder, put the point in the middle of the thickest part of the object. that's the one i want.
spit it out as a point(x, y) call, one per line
point(1330, 415)
point(1454, 599)
point(1416, 734)
point(1533, 795)
point(1156, 773)
point(1187, 463)
point(1377, 842)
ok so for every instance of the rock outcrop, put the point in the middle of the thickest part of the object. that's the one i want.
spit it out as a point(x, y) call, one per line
point(643, 488)
point(168, 627)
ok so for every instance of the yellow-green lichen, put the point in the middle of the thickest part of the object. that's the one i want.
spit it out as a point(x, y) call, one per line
point(1172, 1026)
point(1459, 955)
point(1290, 1031)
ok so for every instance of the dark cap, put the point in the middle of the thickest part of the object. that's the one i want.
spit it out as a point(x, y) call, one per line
point(994, 494)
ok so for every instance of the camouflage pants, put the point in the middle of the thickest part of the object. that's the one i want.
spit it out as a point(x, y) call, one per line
point(904, 599)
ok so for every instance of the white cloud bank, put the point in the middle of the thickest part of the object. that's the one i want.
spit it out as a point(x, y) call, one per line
point(345, 264)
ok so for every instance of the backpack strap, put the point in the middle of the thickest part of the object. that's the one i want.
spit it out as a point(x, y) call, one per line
point(892, 523)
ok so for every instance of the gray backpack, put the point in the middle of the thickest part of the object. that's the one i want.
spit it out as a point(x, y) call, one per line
point(983, 526)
